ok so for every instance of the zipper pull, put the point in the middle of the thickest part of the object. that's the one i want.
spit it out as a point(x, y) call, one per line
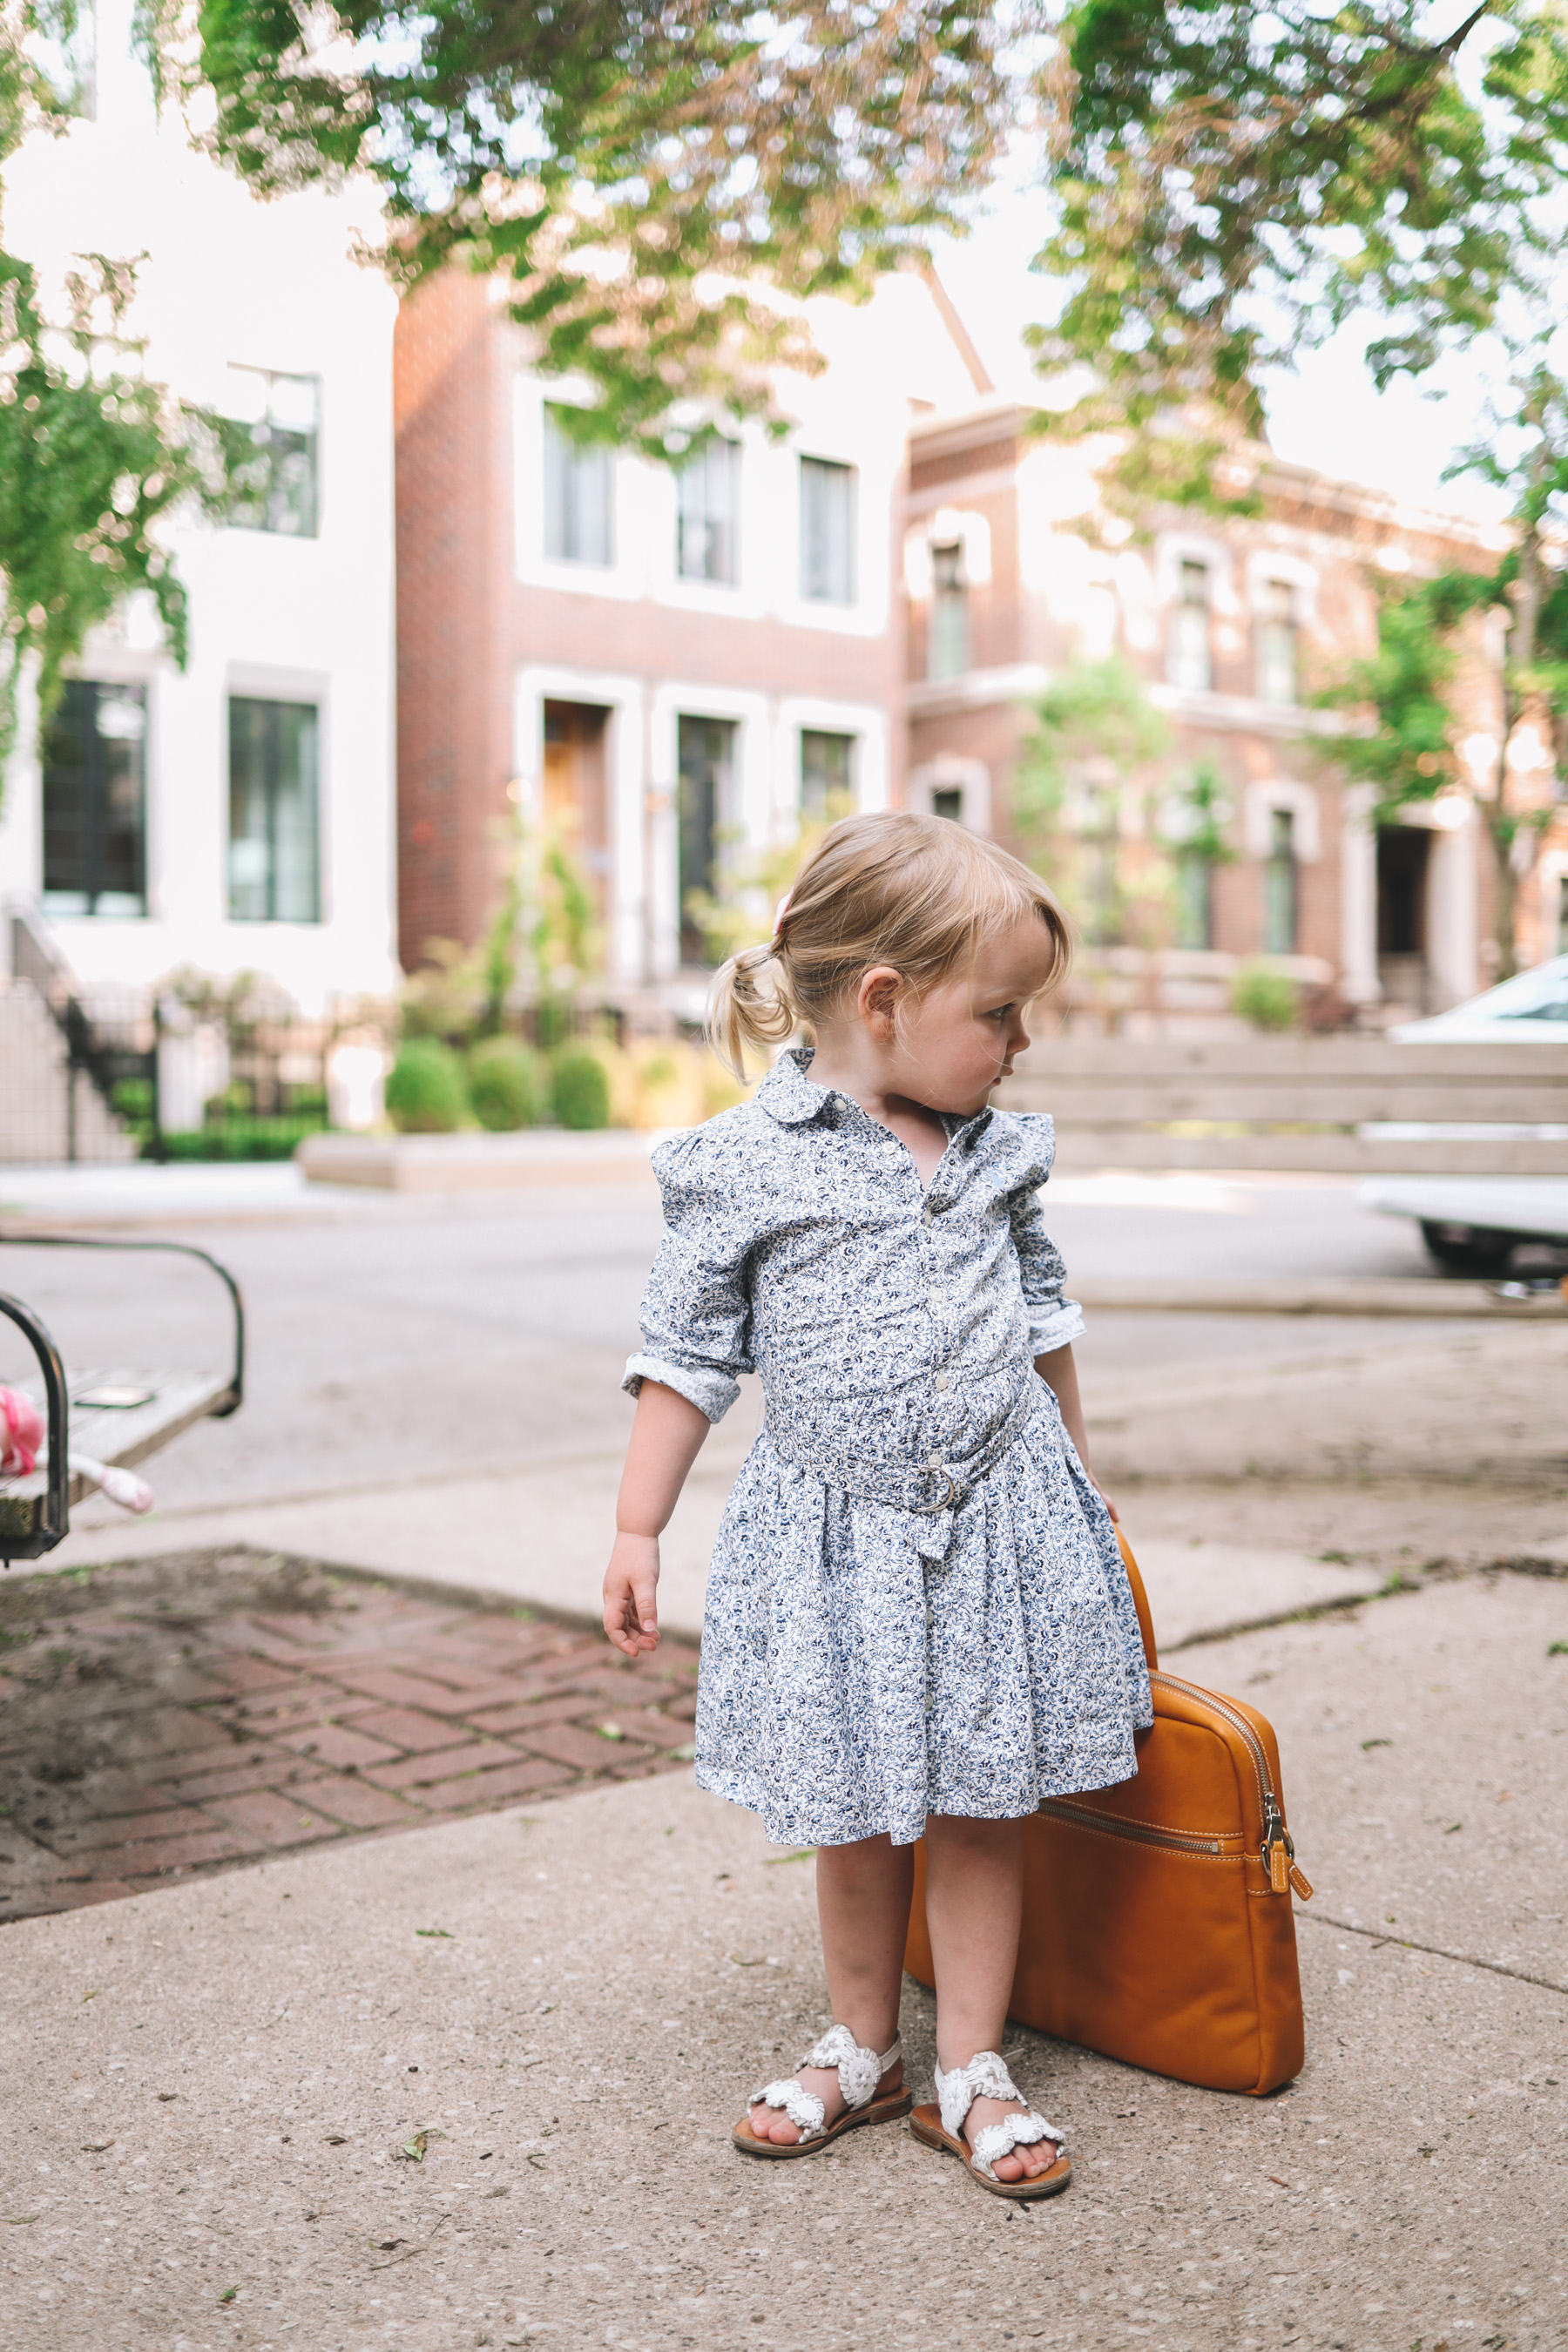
point(1279, 1853)
point(1301, 1883)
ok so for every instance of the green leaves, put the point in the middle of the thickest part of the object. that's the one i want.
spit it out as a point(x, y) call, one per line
point(639, 171)
point(89, 465)
point(1234, 183)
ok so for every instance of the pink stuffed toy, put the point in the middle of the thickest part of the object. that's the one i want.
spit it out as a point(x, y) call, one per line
point(22, 1442)
point(21, 1435)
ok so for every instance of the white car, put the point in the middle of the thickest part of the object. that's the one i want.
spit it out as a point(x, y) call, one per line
point(1534, 1004)
point(1473, 1225)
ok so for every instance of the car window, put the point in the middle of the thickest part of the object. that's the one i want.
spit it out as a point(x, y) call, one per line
point(1550, 1008)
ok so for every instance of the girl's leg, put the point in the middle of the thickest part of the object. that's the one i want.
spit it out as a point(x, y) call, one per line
point(975, 1908)
point(863, 1903)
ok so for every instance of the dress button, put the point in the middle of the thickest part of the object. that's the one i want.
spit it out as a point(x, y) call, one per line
point(942, 1382)
point(933, 1461)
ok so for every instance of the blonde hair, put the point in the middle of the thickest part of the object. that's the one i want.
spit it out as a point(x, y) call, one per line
point(917, 893)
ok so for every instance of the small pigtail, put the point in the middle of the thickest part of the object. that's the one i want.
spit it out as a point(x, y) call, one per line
point(743, 1011)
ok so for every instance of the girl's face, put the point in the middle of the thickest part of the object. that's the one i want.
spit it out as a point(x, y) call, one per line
point(951, 1046)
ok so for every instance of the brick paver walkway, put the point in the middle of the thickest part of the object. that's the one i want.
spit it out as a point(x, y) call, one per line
point(208, 1709)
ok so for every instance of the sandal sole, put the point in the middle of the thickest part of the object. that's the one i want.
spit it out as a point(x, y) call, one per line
point(925, 2125)
point(880, 2111)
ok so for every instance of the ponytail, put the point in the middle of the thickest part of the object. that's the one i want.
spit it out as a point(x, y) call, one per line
point(743, 1014)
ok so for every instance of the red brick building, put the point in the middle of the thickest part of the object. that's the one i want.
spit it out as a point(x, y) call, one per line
point(1232, 625)
point(665, 665)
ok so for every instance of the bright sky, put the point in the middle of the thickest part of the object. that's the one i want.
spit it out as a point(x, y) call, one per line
point(1324, 415)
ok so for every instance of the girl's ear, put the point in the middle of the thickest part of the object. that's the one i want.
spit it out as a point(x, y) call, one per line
point(876, 1001)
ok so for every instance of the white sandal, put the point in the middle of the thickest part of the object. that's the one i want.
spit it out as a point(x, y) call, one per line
point(985, 2077)
point(859, 2072)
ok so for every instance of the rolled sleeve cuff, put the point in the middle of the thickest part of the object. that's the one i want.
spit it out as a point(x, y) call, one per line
point(1055, 1326)
point(712, 1393)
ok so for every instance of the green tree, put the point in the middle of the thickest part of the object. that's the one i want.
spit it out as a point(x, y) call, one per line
point(92, 459)
point(637, 170)
point(1083, 785)
point(1234, 185)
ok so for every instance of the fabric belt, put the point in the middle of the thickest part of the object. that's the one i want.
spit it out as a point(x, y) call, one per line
point(924, 1489)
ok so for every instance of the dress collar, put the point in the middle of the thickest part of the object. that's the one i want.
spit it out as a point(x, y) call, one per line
point(789, 1096)
point(787, 1093)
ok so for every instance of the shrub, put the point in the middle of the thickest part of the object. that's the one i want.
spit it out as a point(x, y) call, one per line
point(425, 1089)
point(508, 1086)
point(582, 1089)
point(1264, 997)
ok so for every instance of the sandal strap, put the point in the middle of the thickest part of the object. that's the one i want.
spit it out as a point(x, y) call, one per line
point(859, 2072)
point(986, 2077)
point(1001, 2139)
point(803, 2107)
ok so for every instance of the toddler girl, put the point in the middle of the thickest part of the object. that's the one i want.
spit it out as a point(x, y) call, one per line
point(918, 1624)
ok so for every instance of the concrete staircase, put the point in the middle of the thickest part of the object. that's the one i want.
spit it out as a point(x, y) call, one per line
point(36, 1086)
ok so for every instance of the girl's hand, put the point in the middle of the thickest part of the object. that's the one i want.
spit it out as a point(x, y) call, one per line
point(1115, 1514)
point(631, 1594)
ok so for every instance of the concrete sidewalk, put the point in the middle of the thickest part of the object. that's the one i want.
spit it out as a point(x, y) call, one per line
point(472, 2084)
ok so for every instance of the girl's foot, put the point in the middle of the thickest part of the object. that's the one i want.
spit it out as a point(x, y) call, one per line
point(837, 2086)
point(1029, 2157)
point(820, 2083)
point(1008, 2148)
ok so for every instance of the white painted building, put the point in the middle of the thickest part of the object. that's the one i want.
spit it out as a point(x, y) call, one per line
point(238, 816)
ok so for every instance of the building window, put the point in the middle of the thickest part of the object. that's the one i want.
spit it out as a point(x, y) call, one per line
point(275, 469)
point(273, 857)
point(578, 488)
point(1188, 662)
point(827, 533)
point(1279, 885)
point(1276, 641)
point(947, 643)
point(1195, 901)
point(826, 774)
point(707, 756)
point(707, 513)
point(95, 801)
point(948, 801)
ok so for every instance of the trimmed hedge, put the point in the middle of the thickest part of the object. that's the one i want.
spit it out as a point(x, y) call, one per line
point(425, 1093)
point(508, 1086)
point(582, 1090)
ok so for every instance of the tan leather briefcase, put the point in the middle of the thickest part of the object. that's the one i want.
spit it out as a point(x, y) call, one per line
point(1158, 1926)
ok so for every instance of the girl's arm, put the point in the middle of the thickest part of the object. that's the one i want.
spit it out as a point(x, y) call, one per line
point(1059, 1373)
point(667, 1437)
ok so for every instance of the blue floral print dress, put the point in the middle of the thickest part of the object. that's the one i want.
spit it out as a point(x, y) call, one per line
point(916, 1603)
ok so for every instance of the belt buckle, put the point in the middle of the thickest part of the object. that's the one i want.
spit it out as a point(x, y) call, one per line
point(931, 1510)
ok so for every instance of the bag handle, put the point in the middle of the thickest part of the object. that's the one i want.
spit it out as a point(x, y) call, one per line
point(1139, 1601)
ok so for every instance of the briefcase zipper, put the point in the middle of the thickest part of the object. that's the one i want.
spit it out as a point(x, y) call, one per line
point(1140, 1832)
point(1278, 1851)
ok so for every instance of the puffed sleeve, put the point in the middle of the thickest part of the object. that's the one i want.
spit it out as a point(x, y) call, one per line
point(1054, 1318)
point(697, 1311)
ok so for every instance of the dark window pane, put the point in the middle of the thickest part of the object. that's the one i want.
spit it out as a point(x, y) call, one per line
point(706, 511)
point(706, 753)
point(827, 770)
point(948, 801)
point(577, 498)
point(273, 857)
point(95, 801)
point(947, 644)
point(1188, 659)
point(826, 532)
point(273, 423)
point(1279, 886)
